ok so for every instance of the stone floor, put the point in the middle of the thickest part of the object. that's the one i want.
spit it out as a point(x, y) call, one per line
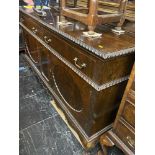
point(42, 131)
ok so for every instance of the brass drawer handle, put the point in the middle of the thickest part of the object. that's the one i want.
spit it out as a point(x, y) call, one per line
point(47, 40)
point(34, 30)
point(83, 65)
point(21, 20)
point(130, 141)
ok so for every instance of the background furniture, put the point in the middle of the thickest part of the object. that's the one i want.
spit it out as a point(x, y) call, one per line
point(91, 16)
point(123, 132)
point(109, 6)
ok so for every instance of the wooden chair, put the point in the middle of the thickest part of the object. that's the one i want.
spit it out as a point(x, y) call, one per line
point(92, 17)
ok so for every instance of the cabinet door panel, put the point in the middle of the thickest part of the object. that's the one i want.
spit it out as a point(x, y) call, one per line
point(73, 91)
point(32, 48)
point(44, 61)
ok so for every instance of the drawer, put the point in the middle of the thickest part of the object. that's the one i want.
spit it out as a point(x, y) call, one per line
point(31, 25)
point(133, 85)
point(131, 97)
point(70, 52)
point(129, 113)
point(80, 60)
point(23, 18)
point(125, 134)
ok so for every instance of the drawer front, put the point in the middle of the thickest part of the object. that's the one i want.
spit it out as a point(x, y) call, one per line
point(132, 92)
point(133, 85)
point(21, 18)
point(99, 71)
point(69, 51)
point(125, 134)
point(131, 97)
point(129, 113)
point(31, 25)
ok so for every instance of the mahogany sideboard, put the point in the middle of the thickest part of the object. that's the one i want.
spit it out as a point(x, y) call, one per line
point(86, 77)
point(123, 132)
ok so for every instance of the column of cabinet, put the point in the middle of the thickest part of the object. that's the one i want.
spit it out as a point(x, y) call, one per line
point(32, 49)
point(38, 54)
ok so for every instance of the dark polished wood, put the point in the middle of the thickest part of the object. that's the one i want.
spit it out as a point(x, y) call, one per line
point(123, 132)
point(56, 55)
point(32, 49)
point(21, 41)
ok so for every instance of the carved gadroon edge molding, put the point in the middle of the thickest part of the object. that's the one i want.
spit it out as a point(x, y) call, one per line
point(84, 134)
point(78, 72)
point(103, 54)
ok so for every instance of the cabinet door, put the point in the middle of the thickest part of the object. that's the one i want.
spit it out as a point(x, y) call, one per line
point(44, 61)
point(32, 48)
point(74, 92)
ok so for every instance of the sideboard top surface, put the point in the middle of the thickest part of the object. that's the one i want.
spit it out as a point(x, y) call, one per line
point(109, 45)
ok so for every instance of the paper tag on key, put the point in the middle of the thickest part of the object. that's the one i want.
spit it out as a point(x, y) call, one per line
point(92, 34)
point(64, 23)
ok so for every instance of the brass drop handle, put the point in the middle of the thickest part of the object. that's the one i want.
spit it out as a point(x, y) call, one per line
point(21, 20)
point(47, 40)
point(130, 141)
point(83, 65)
point(34, 30)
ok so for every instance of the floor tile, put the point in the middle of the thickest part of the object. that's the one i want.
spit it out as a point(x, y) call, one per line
point(35, 109)
point(25, 71)
point(24, 68)
point(29, 86)
point(52, 137)
point(22, 61)
point(23, 150)
point(27, 146)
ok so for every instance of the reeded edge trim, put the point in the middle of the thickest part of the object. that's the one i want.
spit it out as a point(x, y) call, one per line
point(97, 52)
point(78, 72)
point(88, 139)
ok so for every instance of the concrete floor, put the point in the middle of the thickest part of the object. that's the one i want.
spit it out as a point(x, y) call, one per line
point(42, 131)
